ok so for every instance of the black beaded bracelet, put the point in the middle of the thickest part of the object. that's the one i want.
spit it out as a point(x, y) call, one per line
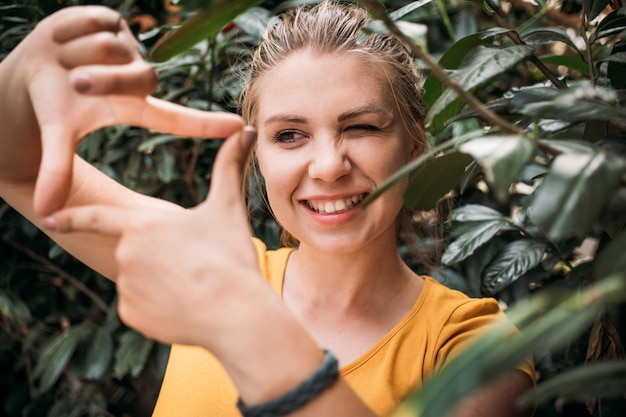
point(324, 376)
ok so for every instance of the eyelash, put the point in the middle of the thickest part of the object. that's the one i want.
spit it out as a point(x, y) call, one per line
point(286, 136)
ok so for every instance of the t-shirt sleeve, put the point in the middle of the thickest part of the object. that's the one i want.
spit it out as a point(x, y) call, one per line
point(467, 322)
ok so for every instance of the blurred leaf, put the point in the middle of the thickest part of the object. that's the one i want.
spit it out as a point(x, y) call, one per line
point(14, 309)
point(578, 103)
point(612, 259)
point(510, 263)
point(546, 321)
point(477, 235)
point(570, 61)
point(547, 35)
point(99, 354)
point(131, 354)
point(165, 164)
point(502, 159)
point(206, 22)
point(405, 10)
point(434, 180)
point(483, 64)
point(253, 21)
point(56, 354)
point(594, 380)
point(616, 68)
point(476, 213)
point(614, 22)
point(594, 7)
point(574, 192)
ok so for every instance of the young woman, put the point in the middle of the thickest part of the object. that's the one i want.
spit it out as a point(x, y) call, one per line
point(335, 115)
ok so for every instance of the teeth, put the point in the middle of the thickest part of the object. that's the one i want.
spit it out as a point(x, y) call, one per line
point(337, 206)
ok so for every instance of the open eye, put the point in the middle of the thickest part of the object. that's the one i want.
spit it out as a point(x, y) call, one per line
point(287, 137)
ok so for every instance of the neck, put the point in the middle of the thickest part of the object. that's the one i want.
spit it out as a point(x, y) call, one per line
point(347, 283)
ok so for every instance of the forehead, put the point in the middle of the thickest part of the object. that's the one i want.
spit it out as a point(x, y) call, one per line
point(321, 84)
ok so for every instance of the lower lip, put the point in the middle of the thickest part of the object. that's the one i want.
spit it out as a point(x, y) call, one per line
point(334, 218)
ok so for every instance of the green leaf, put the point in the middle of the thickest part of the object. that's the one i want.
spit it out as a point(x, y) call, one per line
point(502, 159)
point(56, 354)
point(476, 236)
point(14, 308)
point(595, 380)
point(581, 102)
point(546, 321)
point(510, 263)
point(435, 180)
point(573, 62)
point(485, 63)
point(165, 165)
point(405, 10)
point(546, 35)
point(594, 7)
point(614, 22)
point(572, 195)
point(99, 354)
point(131, 354)
point(206, 22)
point(476, 213)
point(451, 59)
point(612, 259)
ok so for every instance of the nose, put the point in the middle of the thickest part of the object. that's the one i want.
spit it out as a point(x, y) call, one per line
point(330, 161)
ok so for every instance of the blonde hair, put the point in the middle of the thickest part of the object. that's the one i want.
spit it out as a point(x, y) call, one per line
point(332, 27)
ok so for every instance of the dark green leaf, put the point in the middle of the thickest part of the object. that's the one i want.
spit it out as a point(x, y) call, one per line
point(405, 10)
point(615, 22)
point(595, 380)
point(574, 192)
point(484, 64)
point(612, 259)
point(510, 263)
point(165, 165)
point(56, 354)
point(473, 238)
point(541, 36)
point(435, 180)
point(451, 59)
point(580, 103)
point(99, 354)
point(502, 159)
point(617, 66)
point(570, 61)
point(206, 22)
point(476, 213)
point(594, 7)
point(14, 309)
point(131, 354)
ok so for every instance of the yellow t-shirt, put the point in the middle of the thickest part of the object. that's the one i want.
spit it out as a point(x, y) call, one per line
point(440, 322)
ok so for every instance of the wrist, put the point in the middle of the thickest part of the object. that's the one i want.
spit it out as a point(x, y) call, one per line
point(268, 352)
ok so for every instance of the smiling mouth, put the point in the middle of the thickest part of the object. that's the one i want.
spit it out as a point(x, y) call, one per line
point(335, 206)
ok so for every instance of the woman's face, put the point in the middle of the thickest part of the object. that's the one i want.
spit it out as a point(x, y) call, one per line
point(329, 134)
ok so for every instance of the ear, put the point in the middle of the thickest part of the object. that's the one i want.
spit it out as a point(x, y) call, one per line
point(417, 149)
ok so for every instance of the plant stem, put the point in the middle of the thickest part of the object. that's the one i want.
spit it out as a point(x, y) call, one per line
point(62, 274)
point(378, 11)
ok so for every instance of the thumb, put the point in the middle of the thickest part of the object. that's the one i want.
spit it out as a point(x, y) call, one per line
point(55, 170)
point(230, 165)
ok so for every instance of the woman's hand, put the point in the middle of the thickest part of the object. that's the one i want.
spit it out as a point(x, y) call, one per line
point(77, 72)
point(180, 273)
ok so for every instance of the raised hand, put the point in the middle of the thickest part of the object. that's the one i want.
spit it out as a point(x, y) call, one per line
point(180, 272)
point(76, 72)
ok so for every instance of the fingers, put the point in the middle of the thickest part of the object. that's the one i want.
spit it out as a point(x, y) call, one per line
point(101, 219)
point(91, 19)
point(184, 121)
point(138, 79)
point(55, 170)
point(230, 165)
point(104, 48)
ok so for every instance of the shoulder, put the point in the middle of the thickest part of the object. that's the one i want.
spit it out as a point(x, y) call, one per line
point(272, 263)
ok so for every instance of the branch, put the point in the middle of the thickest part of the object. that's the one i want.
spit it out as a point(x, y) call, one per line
point(378, 11)
point(63, 274)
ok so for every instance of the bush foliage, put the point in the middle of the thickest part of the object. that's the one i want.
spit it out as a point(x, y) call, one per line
point(527, 123)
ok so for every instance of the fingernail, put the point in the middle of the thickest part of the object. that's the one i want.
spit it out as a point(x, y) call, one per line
point(50, 223)
point(248, 136)
point(82, 82)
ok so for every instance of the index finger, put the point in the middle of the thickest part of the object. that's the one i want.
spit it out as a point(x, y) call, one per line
point(107, 220)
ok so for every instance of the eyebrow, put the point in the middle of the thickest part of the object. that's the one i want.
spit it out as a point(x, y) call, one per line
point(350, 114)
